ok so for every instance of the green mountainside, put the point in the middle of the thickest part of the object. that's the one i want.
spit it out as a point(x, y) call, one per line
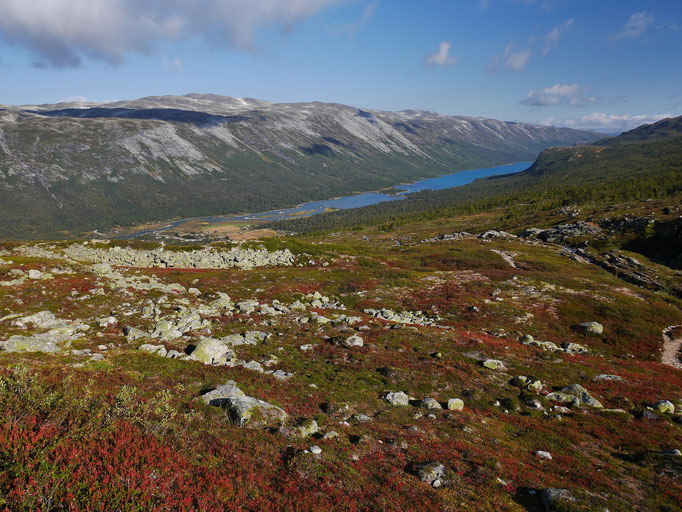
point(665, 128)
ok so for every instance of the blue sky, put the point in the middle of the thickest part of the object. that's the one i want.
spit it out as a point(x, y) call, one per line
point(604, 64)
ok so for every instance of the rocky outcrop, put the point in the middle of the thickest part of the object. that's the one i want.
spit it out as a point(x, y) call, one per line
point(127, 257)
point(53, 334)
point(404, 317)
point(563, 232)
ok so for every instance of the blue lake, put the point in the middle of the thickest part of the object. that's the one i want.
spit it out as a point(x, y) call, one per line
point(355, 201)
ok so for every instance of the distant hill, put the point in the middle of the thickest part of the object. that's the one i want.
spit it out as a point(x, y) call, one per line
point(74, 167)
point(663, 129)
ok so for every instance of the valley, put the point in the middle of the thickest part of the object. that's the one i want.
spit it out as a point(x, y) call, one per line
point(85, 167)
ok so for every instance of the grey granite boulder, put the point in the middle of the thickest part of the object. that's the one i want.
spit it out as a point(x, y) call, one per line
point(212, 351)
point(246, 411)
point(218, 397)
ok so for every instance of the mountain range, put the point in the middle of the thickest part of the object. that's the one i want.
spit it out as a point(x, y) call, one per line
point(73, 167)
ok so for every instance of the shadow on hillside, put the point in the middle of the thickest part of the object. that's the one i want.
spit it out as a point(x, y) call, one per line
point(157, 114)
point(664, 246)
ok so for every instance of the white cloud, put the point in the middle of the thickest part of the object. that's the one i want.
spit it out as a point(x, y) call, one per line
point(606, 123)
point(637, 24)
point(441, 57)
point(368, 13)
point(515, 60)
point(174, 64)
point(551, 38)
point(61, 33)
point(572, 95)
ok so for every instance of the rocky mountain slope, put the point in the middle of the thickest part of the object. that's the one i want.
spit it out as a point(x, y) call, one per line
point(75, 167)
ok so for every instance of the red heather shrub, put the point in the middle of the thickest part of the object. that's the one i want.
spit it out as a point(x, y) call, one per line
point(121, 470)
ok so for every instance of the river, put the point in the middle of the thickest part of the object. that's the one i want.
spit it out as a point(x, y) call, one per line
point(355, 201)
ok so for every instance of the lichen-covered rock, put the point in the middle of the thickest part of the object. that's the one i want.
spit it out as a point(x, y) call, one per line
point(544, 345)
point(431, 472)
point(607, 377)
point(582, 394)
point(398, 399)
point(40, 320)
point(494, 364)
point(212, 351)
point(591, 328)
point(159, 350)
point(217, 397)
point(305, 428)
point(574, 348)
point(132, 333)
point(664, 406)
point(430, 403)
point(254, 365)
point(555, 500)
point(246, 411)
point(353, 341)
point(455, 404)
point(563, 398)
point(19, 343)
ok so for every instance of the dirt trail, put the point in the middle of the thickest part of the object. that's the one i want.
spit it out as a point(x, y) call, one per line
point(672, 342)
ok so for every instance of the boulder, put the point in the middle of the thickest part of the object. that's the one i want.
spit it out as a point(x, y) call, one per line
point(664, 406)
point(430, 403)
point(581, 393)
point(217, 397)
point(607, 377)
point(574, 348)
point(212, 351)
point(41, 320)
point(398, 399)
point(254, 365)
point(305, 428)
point(564, 398)
point(246, 411)
point(494, 364)
point(431, 472)
point(134, 334)
point(353, 341)
point(591, 328)
point(556, 499)
point(159, 350)
point(455, 404)
point(19, 343)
